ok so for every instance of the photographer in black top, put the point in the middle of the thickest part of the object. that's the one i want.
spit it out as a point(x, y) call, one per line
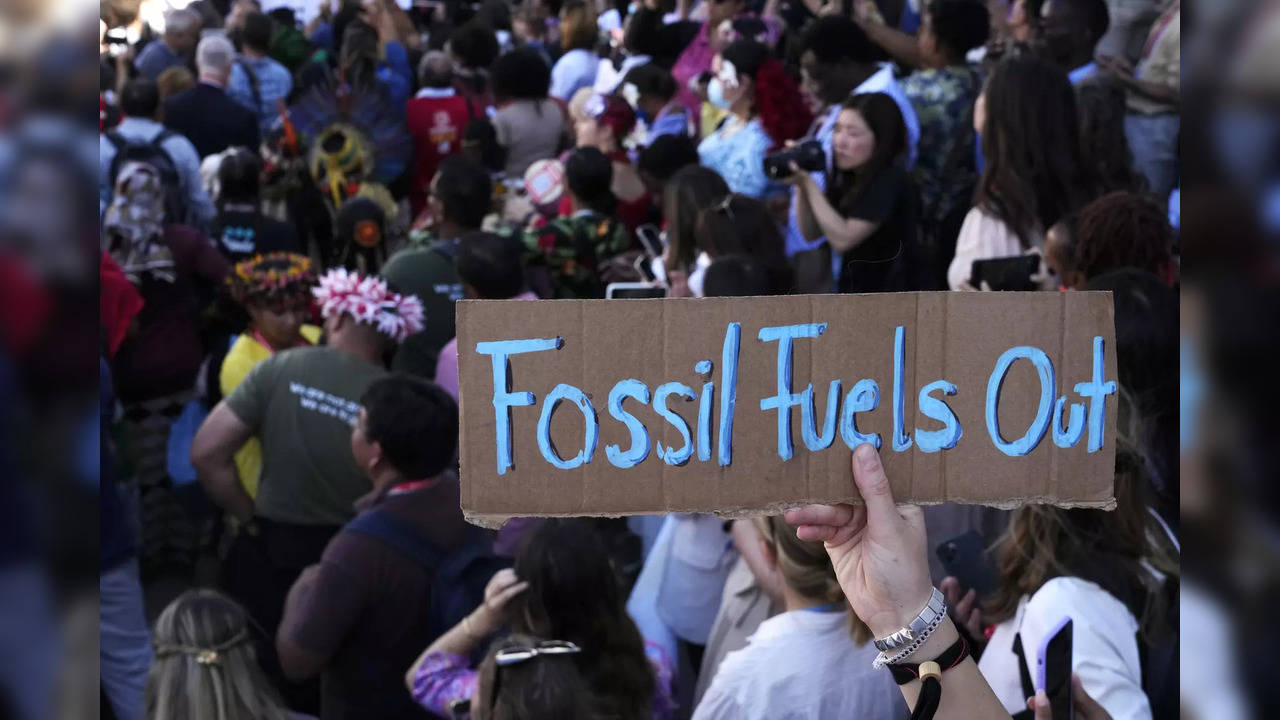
point(865, 204)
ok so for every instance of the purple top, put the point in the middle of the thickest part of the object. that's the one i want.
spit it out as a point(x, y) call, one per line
point(444, 678)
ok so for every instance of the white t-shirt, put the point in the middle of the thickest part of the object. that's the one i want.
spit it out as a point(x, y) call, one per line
point(1104, 647)
point(801, 665)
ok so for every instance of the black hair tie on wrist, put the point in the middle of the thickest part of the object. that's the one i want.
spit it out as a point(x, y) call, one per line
point(930, 675)
point(904, 673)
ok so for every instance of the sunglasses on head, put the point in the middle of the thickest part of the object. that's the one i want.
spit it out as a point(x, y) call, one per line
point(521, 653)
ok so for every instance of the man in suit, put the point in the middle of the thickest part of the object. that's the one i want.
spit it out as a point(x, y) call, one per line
point(208, 118)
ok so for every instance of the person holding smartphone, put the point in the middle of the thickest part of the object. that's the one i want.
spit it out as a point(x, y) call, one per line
point(867, 206)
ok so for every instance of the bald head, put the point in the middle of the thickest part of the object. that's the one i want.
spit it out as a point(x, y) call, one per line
point(435, 70)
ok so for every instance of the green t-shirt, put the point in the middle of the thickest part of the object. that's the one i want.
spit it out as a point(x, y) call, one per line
point(429, 274)
point(302, 404)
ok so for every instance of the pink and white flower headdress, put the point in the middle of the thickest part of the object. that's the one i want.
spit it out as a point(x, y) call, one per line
point(369, 301)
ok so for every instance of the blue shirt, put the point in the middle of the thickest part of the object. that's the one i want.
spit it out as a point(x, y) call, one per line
point(574, 70)
point(155, 58)
point(739, 158)
point(179, 149)
point(274, 83)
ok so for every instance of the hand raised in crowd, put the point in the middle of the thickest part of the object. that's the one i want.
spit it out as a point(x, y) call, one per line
point(964, 606)
point(488, 617)
point(1083, 707)
point(877, 549)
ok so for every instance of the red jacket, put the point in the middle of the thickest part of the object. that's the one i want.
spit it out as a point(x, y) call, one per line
point(436, 118)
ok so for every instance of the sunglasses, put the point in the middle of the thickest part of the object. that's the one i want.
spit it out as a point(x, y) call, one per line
point(519, 653)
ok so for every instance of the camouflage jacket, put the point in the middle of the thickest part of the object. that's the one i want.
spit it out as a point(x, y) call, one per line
point(571, 248)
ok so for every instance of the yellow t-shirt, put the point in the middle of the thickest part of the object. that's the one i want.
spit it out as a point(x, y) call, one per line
point(243, 355)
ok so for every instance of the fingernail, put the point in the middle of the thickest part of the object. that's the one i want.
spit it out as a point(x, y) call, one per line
point(867, 456)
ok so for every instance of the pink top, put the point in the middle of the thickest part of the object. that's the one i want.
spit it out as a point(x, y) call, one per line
point(695, 60)
point(447, 363)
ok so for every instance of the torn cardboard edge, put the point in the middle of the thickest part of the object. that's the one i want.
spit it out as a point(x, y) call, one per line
point(494, 521)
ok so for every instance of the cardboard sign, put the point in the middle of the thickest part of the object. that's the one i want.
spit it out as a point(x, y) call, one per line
point(751, 405)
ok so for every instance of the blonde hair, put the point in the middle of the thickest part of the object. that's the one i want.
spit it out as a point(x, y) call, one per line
point(806, 568)
point(205, 666)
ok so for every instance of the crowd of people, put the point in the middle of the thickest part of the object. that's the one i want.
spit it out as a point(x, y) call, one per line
point(291, 206)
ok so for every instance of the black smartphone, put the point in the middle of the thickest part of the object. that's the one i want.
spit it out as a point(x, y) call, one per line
point(965, 558)
point(634, 290)
point(1053, 670)
point(1005, 273)
point(650, 239)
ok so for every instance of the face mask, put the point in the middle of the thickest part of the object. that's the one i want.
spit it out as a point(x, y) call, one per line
point(715, 94)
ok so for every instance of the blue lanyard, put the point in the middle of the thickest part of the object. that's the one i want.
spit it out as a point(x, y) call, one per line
point(828, 608)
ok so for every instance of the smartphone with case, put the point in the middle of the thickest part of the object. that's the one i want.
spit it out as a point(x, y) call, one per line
point(1053, 669)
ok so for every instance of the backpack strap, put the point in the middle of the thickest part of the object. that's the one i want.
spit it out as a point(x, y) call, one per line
point(398, 534)
point(253, 84)
point(117, 140)
point(159, 139)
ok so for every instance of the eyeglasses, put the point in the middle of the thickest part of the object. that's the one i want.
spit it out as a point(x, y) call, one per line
point(521, 653)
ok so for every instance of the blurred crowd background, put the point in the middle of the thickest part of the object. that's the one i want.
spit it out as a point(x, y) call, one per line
point(1230, 396)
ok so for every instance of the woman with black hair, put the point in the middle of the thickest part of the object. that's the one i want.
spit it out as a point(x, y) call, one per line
point(529, 124)
point(1034, 174)
point(240, 229)
point(765, 110)
point(869, 208)
point(562, 587)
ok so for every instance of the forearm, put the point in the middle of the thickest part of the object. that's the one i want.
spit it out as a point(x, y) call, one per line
point(221, 480)
point(843, 234)
point(804, 215)
point(459, 640)
point(900, 46)
point(965, 693)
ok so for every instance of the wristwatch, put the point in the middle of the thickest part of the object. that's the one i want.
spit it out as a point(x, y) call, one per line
point(928, 618)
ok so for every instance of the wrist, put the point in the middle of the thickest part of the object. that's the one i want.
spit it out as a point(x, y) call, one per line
point(935, 645)
point(480, 623)
point(888, 623)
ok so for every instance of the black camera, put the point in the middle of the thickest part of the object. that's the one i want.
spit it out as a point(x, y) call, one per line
point(808, 156)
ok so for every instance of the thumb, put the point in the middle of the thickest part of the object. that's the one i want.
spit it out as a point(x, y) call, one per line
point(873, 486)
point(1039, 704)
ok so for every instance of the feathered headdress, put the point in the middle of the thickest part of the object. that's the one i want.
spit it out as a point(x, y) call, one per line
point(277, 279)
point(369, 301)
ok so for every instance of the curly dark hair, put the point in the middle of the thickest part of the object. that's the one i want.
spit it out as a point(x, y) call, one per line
point(1031, 142)
point(1123, 230)
point(521, 74)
